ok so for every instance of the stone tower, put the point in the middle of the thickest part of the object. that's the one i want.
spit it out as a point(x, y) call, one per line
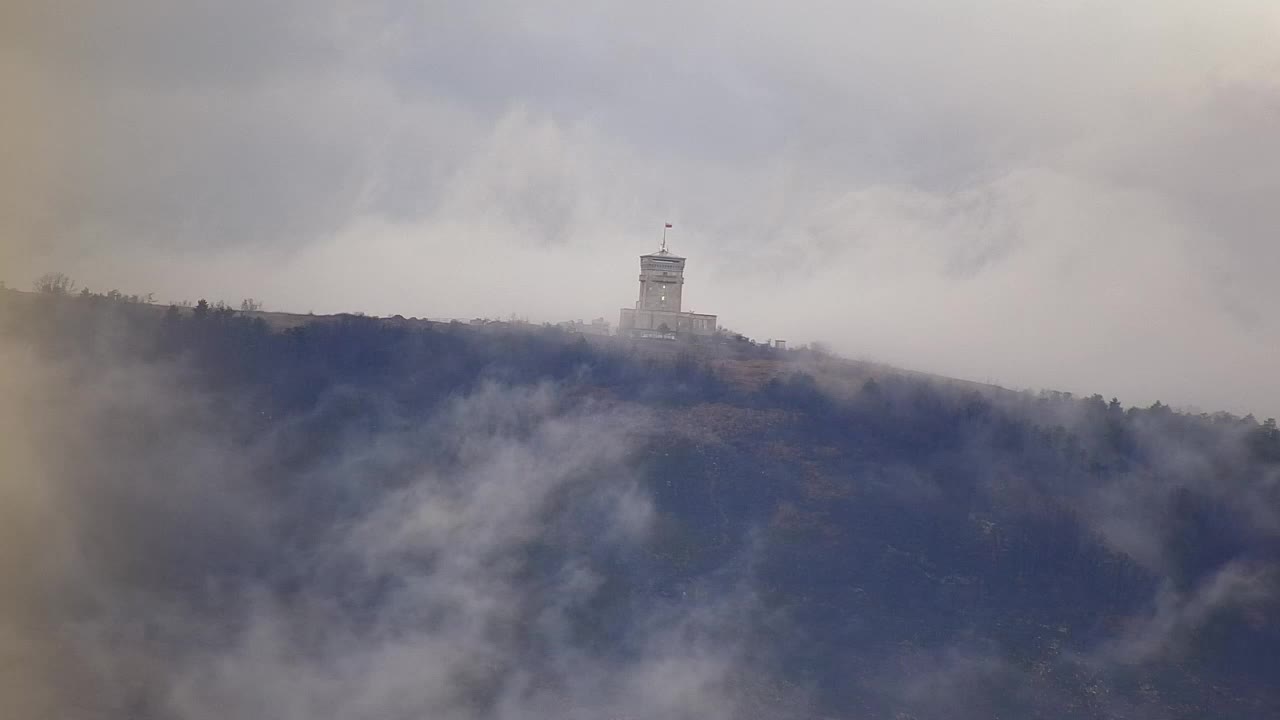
point(661, 281)
point(658, 311)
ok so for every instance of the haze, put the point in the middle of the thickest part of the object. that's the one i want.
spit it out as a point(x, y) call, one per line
point(1077, 195)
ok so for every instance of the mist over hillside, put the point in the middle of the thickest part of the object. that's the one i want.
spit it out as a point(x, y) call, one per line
point(206, 517)
point(346, 506)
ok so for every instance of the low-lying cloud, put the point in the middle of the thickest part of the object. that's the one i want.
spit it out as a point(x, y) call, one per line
point(162, 562)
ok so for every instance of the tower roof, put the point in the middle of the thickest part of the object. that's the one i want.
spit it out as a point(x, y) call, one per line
point(665, 254)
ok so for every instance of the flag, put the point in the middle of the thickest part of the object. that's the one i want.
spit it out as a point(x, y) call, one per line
point(668, 224)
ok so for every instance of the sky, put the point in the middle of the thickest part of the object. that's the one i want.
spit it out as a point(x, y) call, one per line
point(1072, 195)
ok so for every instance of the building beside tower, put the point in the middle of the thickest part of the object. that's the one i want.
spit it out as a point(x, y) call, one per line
point(657, 312)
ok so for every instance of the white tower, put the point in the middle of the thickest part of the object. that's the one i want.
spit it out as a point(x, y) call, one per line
point(658, 309)
point(661, 281)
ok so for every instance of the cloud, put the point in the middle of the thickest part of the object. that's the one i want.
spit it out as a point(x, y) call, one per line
point(956, 681)
point(165, 559)
point(1177, 616)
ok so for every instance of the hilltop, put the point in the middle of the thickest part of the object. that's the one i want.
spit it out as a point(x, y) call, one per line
point(740, 360)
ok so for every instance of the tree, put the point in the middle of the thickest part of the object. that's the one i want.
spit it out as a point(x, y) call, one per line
point(55, 283)
point(250, 305)
point(202, 309)
point(1265, 440)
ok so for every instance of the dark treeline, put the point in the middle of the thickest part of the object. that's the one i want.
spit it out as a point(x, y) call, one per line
point(913, 548)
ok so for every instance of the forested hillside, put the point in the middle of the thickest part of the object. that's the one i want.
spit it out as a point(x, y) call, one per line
point(355, 518)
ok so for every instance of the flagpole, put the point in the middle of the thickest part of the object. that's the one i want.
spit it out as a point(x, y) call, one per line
point(664, 236)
